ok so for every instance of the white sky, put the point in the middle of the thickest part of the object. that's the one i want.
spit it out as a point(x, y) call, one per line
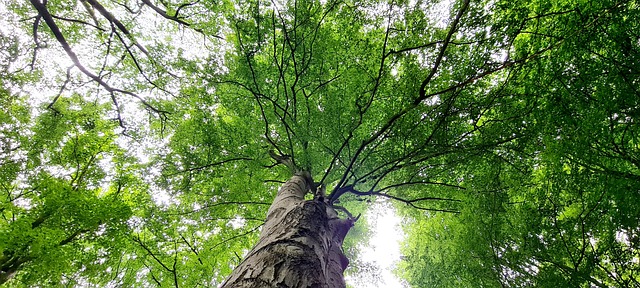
point(383, 248)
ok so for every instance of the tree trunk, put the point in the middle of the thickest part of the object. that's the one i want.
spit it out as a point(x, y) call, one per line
point(300, 244)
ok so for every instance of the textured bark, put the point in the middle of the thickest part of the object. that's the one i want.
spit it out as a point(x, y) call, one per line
point(300, 244)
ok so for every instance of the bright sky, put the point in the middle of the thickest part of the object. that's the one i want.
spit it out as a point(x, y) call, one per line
point(383, 248)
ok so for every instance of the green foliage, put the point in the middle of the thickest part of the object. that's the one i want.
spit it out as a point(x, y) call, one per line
point(552, 208)
point(506, 132)
point(56, 203)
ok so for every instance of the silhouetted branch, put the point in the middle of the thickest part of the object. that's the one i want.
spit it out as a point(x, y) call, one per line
point(443, 49)
point(78, 21)
point(137, 240)
point(192, 248)
point(46, 16)
point(420, 183)
point(72, 236)
point(106, 14)
point(410, 107)
point(411, 202)
point(176, 17)
point(175, 263)
point(64, 86)
point(235, 236)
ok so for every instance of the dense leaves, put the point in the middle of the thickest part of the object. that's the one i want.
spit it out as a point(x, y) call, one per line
point(143, 141)
point(556, 206)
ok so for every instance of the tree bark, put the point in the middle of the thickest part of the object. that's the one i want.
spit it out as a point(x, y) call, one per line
point(300, 244)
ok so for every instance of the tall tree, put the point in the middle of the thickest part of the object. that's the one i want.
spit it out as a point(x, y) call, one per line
point(506, 130)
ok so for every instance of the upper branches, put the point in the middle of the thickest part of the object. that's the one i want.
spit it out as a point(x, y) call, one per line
point(280, 67)
point(176, 17)
point(44, 14)
point(426, 128)
point(422, 96)
point(121, 49)
point(323, 85)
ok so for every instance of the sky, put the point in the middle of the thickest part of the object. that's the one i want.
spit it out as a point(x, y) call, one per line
point(383, 248)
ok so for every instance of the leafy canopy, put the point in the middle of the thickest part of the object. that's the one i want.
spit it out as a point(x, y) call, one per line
point(143, 141)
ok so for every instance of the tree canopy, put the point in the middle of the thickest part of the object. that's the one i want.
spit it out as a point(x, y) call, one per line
point(142, 141)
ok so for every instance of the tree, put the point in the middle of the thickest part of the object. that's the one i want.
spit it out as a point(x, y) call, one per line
point(554, 209)
point(505, 130)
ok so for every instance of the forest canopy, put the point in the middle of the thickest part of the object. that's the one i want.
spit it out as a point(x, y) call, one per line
point(142, 141)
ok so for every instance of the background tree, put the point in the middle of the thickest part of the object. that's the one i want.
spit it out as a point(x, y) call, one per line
point(508, 128)
point(554, 208)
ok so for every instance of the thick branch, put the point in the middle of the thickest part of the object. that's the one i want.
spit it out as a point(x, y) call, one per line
point(175, 17)
point(106, 14)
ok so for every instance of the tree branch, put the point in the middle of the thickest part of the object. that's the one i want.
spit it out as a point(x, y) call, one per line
point(443, 49)
point(46, 16)
point(411, 202)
